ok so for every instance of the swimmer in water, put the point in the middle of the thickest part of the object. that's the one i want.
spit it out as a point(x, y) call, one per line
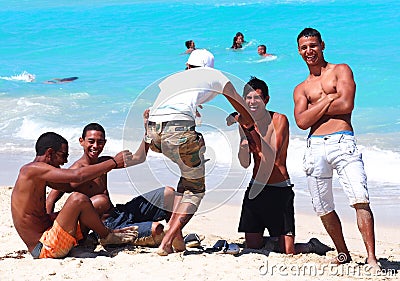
point(61, 80)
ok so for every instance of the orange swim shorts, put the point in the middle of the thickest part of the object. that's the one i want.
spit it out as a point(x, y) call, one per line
point(57, 242)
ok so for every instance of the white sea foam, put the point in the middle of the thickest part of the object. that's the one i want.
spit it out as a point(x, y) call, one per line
point(267, 59)
point(381, 165)
point(32, 129)
point(24, 77)
point(82, 95)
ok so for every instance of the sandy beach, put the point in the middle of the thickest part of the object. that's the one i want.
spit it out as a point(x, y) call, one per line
point(130, 263)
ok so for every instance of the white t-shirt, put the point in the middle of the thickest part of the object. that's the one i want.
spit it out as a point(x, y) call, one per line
point(182, 92)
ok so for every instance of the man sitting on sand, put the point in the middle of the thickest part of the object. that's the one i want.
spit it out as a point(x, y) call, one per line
point(144, 211)
point(53, 236)
point(269, 200)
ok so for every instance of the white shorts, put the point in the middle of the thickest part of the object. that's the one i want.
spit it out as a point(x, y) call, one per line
point(335, 151)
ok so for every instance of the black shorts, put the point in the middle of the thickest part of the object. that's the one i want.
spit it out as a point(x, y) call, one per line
point(272, 208)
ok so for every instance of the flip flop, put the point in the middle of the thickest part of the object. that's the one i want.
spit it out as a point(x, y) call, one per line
point(232, 249)
point(223, 247)
point(193, 240)
point(219, 245)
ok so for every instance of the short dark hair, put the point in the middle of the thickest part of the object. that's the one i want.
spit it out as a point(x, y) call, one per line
point(188, 43)
point(254, 84)
point(264, 47)
point(49, 140)
point(309, 32)
point(93, 127)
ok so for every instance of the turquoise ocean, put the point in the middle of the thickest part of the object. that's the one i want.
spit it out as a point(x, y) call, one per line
point(118, 49)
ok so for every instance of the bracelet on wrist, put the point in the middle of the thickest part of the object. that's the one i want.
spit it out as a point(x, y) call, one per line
point(251, 128)
point(116, 164)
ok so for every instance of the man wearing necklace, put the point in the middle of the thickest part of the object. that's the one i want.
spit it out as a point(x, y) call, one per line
point(268, 201)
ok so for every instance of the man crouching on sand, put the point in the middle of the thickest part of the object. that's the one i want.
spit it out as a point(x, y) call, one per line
point(53, 236)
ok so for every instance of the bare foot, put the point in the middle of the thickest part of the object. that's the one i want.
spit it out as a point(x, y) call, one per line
point(154, 240)
point(178, 243)
point(120, 236)
point(375, 267)
point(164, 251)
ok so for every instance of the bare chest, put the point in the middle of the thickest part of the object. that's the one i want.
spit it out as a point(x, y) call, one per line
point(94, 187)
point(316, 88)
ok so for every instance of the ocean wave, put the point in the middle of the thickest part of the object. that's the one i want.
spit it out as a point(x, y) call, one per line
point(82, 95)
point(267, 58)
point(23, 77)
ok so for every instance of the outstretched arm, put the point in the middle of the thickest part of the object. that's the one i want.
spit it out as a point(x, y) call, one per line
point(238, 103)
point(51, 174)
point(140, 155)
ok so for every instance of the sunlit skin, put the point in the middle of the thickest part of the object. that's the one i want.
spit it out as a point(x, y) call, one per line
point(262, 51)
point(275, 139)
point(325, 100)
point(272, 143)
point(29, 195)
point(324, 103)
point(93, 144)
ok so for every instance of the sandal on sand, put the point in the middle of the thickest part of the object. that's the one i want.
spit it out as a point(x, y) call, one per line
point(193, 240)
point(232, 249)
point(318, 247)
point(223, 247)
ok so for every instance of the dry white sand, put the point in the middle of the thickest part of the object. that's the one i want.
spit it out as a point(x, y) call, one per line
point(139, 263)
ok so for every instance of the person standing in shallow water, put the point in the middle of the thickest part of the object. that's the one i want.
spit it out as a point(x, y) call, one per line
point(324, 103)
